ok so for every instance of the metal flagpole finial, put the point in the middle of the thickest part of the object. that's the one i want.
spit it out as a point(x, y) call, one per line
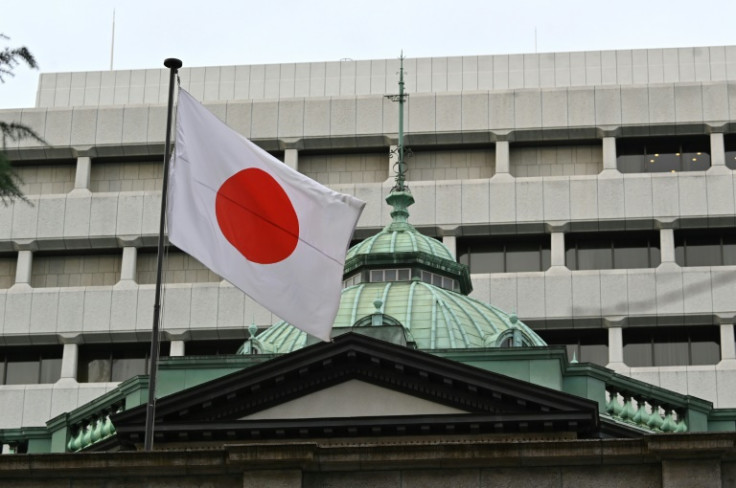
point(173, 63)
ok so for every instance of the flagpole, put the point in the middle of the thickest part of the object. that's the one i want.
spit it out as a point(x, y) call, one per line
point(173, 64)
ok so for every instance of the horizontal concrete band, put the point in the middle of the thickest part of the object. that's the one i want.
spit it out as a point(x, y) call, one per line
point(416, 453)
point(499, 204)
point(441, 118)
point(379, 76)
point(212, 310)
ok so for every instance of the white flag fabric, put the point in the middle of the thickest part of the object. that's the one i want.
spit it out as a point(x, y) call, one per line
point(269, 230)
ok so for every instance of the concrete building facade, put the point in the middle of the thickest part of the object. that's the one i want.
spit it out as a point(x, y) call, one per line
point(591, 193)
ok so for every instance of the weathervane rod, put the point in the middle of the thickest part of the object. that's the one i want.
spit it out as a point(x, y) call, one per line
point(400, 150)
point(400, 177)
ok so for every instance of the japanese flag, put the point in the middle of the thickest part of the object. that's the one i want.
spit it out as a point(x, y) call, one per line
point(269, 230)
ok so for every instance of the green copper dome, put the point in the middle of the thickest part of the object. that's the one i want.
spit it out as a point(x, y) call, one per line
point(399, 237)
point(432, 317)
point(401, 246)
point(400, 278)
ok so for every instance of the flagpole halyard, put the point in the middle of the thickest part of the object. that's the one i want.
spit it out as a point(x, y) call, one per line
point(173, 64)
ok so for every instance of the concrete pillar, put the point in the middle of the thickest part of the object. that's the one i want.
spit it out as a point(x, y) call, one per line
point(291, 158)
point(451, 243)
point(667, 245)
point(177, 349)
point(128, 268)
point(502, 157)
point(24, 268)
point(81, 178)
point(728, 348)
point(129, 264)
point(717, 150)
point(609, 154)
point(6, 449)
point(557, 249)
point(69, 362)
point(615, 346)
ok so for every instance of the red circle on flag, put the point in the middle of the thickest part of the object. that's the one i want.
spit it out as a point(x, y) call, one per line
point(256, 216)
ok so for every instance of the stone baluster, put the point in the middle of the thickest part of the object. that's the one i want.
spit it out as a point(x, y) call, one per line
point(642, 416)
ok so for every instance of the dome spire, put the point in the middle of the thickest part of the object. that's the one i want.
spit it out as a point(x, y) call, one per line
point(400, 197)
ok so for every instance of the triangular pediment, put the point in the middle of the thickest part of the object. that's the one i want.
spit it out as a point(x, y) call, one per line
point(353, 398)
point(355, 386)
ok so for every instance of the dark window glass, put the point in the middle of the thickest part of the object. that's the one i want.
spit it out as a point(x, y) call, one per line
point(594, 254)
point(639, 354)
point(671, 346)
point(705, 247)
point(672, 349)
point(95, 371)
point(523, 256)
point(50, 370)
point(663, 154)
point(505, 254)
point(218, 347)
point(729, 249)
point(612, 250)
point(100, 363)
point(585, 345)
point(729, 141)
point(30, 365)
point(706, 351)
point(125, 368)
point(22, 372)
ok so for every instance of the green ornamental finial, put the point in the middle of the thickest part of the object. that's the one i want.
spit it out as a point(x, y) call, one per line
point(401, 170)
point(400, 197)
point(400, 165)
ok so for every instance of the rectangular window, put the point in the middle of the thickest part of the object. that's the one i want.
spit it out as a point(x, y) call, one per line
point(584, 345)
point(30, 365)
point(20, 372)
point(50, 370)
point(102, 363)
point(217, 347)
point(124, 368)
point(663, 154)
point(705, 247)
point(729, 141)
point(74, 268)
point(612, 250)
point(505, 254)
point(555, 158)
point(671, 346)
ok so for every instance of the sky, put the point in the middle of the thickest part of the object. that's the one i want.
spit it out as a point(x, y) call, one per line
point(76, 35)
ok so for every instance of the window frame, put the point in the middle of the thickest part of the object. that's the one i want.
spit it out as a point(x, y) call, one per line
point(663, 154)
point(658, 356)
point(503, 244)
point(573, 240)
point(40, 356)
